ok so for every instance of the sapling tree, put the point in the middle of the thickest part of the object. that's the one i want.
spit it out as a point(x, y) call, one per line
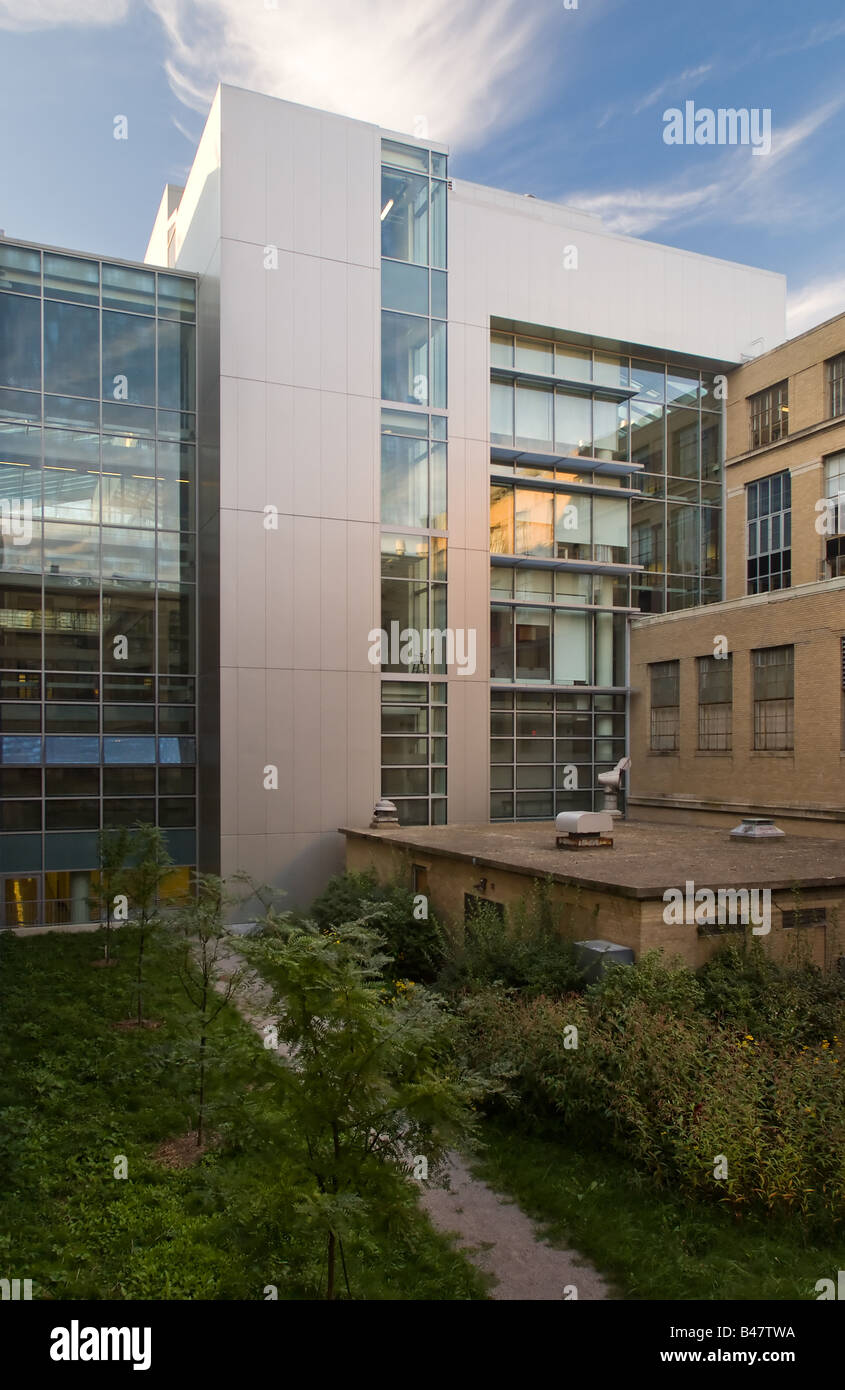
point(143, 878)
point(207, 944)
point(368, 1076)
point(113, 848)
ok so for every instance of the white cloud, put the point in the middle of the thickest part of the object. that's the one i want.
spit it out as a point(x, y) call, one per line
point(817, 301)
point(690, 77)
point(635, 211)
point(28, 15)
point(452, 62)
point(741, 189)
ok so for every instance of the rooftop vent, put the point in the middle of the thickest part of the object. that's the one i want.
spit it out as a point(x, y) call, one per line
point(584, 830)
point(384, 813)
point(756, 828)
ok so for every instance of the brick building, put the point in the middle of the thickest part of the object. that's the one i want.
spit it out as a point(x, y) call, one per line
point(737, 708)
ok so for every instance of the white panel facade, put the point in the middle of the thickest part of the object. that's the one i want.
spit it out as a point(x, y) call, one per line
point(285, 201)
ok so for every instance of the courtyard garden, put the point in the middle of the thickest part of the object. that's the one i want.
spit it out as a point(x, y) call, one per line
point(684, 1131)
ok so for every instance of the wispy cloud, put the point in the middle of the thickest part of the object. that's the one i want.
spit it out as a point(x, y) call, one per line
point(819, 35)
point(740, 189)
point(451, 62)
point(27, 15)
point(690, 78)
point(816, 301)
point(636, 211)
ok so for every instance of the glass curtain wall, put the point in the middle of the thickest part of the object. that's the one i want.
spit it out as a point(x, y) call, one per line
point(414, 481)
point(667, 417)
point(97, 571)
point(563, 541)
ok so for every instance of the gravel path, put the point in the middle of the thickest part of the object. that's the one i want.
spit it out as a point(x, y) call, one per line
point(492, 1230)
point(498, 1237)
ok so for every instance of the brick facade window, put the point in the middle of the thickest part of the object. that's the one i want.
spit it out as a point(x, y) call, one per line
point(769, 533)
point(774, 698)
point(842, 674)
point(665, 706)
point(715, 704)
point(836, 385)
point(769, 415)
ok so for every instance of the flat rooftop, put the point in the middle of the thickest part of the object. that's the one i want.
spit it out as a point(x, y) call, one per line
point(646, 858)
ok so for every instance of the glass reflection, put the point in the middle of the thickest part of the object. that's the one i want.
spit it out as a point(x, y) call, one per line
point(71, 350)
point(404, 216)
point(129, 358)
point(20, 342)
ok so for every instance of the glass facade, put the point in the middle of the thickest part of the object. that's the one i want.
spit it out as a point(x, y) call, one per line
point(577, 402)
point(97, 570)
point(560, 578)
point(578, 542)
point(414, 447)
point(413, 750)
point(547, 749)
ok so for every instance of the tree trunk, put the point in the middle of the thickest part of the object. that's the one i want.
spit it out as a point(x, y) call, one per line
point(202, 1091)
point(330, 1287)
point(140, 976)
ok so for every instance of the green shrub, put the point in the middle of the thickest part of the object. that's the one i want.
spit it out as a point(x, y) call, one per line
point(783, 1002)
point(672, 1089)
point(531, 950)
point(664, 985)
point(415, 945)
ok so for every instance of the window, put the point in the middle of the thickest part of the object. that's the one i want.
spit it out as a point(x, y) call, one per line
point(20, 342)
point(769, 415)
point(413, 472)
point(715, 708)
point(413, 751)
point(804, 917)
point(665, 706)
point(475, 906)
point(534, 513)
point(836, 385)
point(768, 504)
point(413, 596)
point(834, 491)
point(774, 688)
point(842, 674)
point(547, 749)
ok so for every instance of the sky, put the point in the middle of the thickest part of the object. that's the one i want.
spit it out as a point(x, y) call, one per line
point(565, 99)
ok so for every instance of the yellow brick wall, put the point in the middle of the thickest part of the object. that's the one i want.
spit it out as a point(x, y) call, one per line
point(801, 362)
point(608, 916)
point(810, 778)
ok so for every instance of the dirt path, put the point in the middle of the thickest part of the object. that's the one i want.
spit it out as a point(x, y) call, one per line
point(493, 1232)
point(501, 1240)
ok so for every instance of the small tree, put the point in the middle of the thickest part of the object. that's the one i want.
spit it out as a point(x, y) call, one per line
point(206, 943)
point(112, 853)
point(370, 1082)
point(143, 877)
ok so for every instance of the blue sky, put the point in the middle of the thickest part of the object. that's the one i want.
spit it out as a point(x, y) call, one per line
point(561, 102)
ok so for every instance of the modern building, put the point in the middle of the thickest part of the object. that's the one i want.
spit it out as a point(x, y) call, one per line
point(739, 709)
point(449, 440)
point(97, 571)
